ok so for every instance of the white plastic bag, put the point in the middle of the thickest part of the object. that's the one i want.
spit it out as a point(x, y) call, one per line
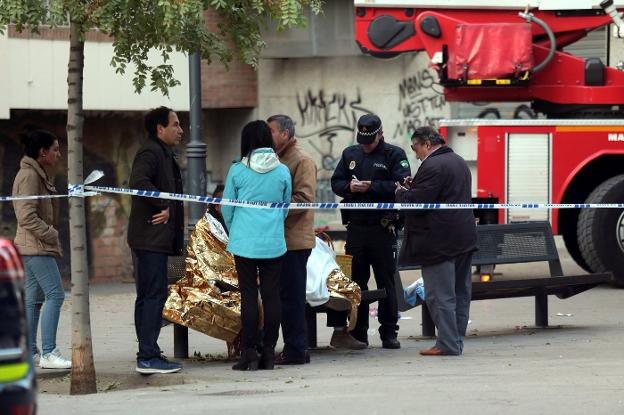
point(321, 263)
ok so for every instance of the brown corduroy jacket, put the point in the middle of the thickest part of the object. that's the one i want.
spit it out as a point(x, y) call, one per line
point(299, 225)
point(35, 234)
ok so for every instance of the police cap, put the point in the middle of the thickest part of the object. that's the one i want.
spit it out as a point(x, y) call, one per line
point(367, 128)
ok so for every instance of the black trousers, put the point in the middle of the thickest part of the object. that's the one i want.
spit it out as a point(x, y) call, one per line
point(293, 297)
point(268, 270)
point(151, 288)
point(371, 245)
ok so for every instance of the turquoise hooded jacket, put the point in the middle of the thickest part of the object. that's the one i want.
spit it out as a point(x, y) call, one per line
point(257, 233)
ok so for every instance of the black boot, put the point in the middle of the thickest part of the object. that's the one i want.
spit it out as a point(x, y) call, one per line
point(247, 361)
point(267, 358)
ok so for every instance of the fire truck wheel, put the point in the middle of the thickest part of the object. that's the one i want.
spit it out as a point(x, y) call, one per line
point(601, 231)
point(570, 239)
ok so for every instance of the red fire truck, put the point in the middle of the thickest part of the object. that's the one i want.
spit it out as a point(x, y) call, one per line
point(497, 51)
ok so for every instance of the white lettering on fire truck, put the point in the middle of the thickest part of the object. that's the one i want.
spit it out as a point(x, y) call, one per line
point(616, 137)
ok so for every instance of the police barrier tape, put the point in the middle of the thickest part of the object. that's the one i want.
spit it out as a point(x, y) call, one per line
point(324, 206)
point(79, 191)
point(73, 190)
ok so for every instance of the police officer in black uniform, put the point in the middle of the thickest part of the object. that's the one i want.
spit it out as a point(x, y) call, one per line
point(367, 172)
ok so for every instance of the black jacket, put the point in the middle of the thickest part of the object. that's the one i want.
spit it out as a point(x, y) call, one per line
point(155, 168)
point(437, 235)
point(384, 166)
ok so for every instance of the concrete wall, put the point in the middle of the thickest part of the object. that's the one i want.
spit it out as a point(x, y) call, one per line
point(4, 78)
point(36, 78)
point(326, 96)
point(222, 132)
point(330, 33)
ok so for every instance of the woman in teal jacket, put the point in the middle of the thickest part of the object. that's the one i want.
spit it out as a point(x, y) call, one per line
point(257, 239)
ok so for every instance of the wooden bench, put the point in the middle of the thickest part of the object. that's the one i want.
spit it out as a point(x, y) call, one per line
point(512, 244)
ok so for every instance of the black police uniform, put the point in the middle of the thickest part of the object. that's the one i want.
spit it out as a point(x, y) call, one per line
point(370, 242)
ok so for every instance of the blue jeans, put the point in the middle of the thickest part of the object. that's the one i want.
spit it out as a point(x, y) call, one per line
point(43, 285)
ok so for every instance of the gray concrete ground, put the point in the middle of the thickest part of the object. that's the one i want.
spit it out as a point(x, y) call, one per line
point(509, 367)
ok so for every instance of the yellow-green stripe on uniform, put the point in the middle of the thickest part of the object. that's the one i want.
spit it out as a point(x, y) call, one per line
point(12, 372)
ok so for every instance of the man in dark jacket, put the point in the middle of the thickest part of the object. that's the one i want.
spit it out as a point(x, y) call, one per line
point(155, 231)
point(440, 240)
point(366, 173)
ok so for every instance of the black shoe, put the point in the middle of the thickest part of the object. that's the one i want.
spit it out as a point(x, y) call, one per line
point(283, 359)
point(391, 343)
point(248, 361)
point(267, 358)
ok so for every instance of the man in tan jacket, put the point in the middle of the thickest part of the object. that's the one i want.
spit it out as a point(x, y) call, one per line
point(299, 228)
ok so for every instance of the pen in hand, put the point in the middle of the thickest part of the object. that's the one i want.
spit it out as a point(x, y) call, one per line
point(358, 186)
point(399, 186)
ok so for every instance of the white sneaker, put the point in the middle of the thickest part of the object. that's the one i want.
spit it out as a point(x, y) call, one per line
point(54, 360)
point(36, 357)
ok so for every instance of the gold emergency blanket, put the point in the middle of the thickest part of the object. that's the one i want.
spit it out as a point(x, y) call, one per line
point(207, 298)
point(344, 295)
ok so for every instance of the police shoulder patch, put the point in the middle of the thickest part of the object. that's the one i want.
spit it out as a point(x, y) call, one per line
point(404, 163)
point(352, 165)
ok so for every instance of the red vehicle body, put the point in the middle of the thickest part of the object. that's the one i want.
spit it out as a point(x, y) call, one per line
point(573, 154)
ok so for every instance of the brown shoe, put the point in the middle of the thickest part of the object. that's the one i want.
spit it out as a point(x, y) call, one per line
point(342, 339)
point(434, 351)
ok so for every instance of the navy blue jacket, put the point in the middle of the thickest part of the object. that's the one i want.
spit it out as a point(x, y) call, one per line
point(384, 166)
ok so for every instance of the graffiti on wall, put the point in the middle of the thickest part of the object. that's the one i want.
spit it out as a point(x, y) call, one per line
point(329, 113)
point(330, 117)
point(420, 103)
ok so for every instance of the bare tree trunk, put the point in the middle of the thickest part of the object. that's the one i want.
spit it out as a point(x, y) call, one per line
point(83, 370)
